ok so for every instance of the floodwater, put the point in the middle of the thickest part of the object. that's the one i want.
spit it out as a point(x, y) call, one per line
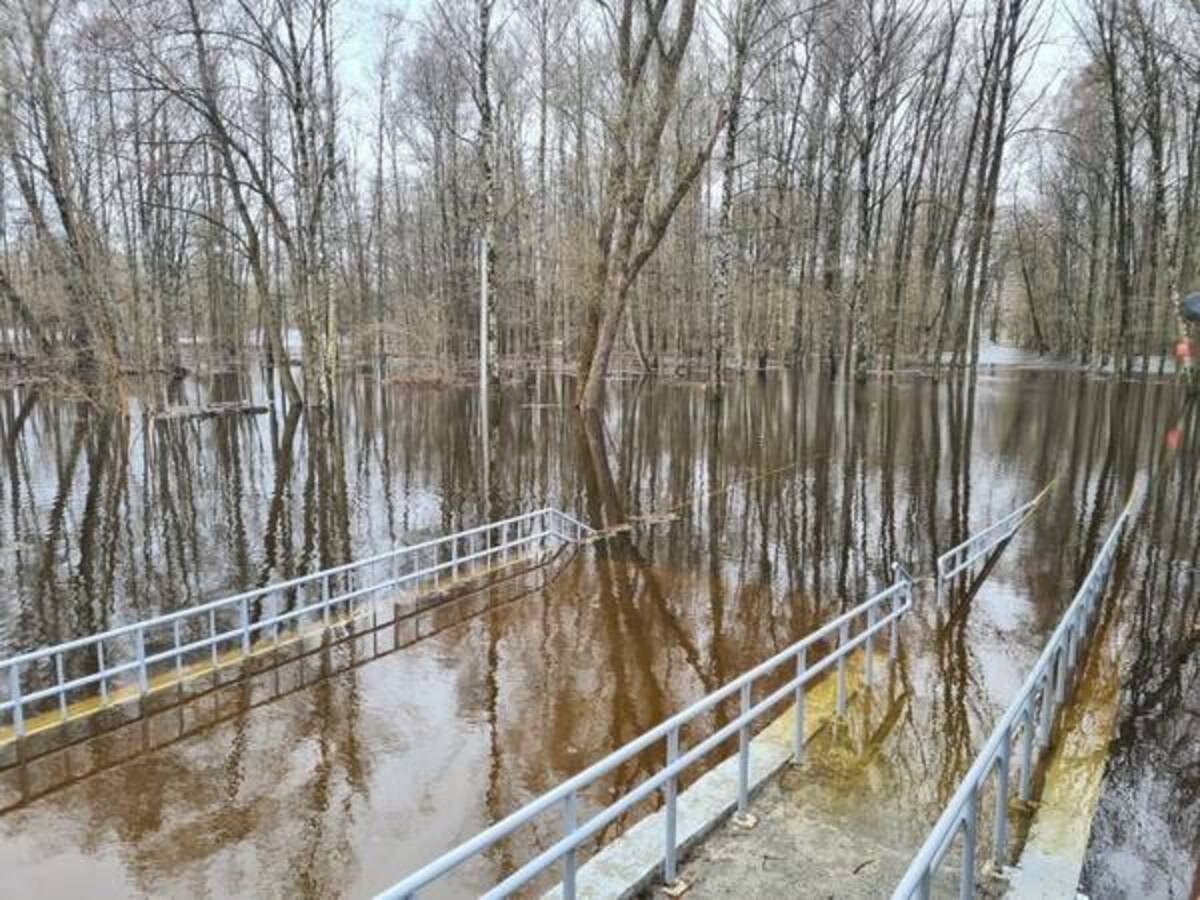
point(757, 520)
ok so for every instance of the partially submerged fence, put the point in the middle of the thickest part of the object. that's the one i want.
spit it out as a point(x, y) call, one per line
point(128, 661)
point(962, 557)
point(1030, 717)
point(870, 618)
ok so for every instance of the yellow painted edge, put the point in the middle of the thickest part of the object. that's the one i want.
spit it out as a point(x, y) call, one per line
point(90, 705)
point(820, 701)
point(1056, 845)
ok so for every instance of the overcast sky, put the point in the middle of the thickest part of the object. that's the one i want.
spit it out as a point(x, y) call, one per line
point(362, 33)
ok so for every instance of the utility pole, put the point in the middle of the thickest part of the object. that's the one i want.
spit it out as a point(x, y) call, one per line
point(483, 319)
point(485, 421)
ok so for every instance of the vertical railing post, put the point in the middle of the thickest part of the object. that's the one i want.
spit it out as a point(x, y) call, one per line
point(453, 559)
point(325, 600)
point(1047, 706)
point(670, 791)
point(178, 652)
point(1060, 665)
point(893, 637)
point(869, 650)
point(14, 694)
point(140, 646)
point(101, 670)
point(966, 878)
point(843, 639)
point(245, 627)
point(798, 725)
point(923, 885)
point(212, 634)
point(61, 677)
point(743, 799)
point(1000, 824)
point(568, 863)
point(1026, 786)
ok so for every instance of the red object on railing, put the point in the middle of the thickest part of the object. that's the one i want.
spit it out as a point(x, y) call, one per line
point(1183, 349)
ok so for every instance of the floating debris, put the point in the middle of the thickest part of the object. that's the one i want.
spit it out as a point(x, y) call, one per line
point(211, 410)
point(655, 518)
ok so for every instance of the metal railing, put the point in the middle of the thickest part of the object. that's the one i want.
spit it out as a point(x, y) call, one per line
point(1030, 717)
point(385, 629)
point(960, 558)
point(879, 612)
point(123, 662)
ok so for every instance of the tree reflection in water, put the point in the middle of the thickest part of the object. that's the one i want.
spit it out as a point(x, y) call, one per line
point(753, 520)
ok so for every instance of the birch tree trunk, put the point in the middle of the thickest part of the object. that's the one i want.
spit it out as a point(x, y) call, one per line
point(487, 156)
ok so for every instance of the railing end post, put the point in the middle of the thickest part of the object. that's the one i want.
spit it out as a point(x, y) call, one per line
point(14, 694)
point(569, 862)
point(843, 639)
point(143, 676)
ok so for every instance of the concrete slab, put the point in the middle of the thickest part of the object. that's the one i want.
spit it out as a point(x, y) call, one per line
point(633, 862)
point(805, 845)
point(792, 853)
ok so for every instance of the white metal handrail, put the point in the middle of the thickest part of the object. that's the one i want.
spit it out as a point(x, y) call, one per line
point(168, 639)
point(1032, 710)
point(879, 612)
point(961, 557)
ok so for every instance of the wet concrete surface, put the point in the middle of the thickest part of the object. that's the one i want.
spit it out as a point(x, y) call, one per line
point(847, 820)
point(793, 851)
point(827, 827)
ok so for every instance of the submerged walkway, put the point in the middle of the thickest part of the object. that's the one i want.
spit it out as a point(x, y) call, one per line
point(838, 813)
point(841, 742)
point(64, 683)
point(844, 821)
point(840, 824)
point(69, 693)
point(95, 738)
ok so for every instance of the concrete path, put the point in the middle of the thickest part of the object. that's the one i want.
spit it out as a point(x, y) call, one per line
point(633, 862)
point(816, 834)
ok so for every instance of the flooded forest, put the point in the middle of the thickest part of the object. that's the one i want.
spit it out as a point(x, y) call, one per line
point(755, 521)
point(778, 298)
point(711, 186)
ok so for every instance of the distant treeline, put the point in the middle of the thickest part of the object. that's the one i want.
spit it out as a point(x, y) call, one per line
point(852, 184)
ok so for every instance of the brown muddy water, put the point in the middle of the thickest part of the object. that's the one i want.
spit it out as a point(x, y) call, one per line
point(768, 515)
